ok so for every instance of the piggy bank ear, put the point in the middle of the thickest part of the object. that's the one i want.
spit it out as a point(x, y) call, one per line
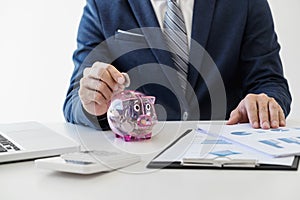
point(151, 99)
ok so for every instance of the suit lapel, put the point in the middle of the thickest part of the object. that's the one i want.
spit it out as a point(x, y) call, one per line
point(146, 17)
point(202, 20)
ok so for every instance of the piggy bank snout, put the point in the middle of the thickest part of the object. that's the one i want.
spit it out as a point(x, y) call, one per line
point(144, 120)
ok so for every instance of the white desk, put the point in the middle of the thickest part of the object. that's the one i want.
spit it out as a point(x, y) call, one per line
point(23, 181)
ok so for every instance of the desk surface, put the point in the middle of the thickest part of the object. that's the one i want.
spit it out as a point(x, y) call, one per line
point(23, 181)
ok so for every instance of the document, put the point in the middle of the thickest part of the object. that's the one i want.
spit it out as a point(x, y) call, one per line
point(209, 150)
point(281, 142)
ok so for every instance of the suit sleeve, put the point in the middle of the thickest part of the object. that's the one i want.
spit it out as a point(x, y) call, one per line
point(89, 37)
point(262, 69)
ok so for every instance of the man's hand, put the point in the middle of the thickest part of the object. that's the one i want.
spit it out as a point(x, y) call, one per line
point(260, 110)
point(97, 86)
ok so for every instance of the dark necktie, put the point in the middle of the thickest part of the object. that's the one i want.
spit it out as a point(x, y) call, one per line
point(176, 39)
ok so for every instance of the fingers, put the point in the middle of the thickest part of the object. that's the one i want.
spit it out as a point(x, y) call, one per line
point(97, 86)
point(115, 74)
point(106, 73)
point(277, 117)
point(252, 110)
point(260, 111)
point(262, 102)
point(90, 96)
point(234, 117)
point(238, 115)
point(271, 114)
point(93, 101)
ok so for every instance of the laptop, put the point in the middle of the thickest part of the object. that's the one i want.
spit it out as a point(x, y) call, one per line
point(30, 140)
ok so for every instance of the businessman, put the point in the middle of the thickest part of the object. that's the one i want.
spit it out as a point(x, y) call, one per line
point(238, 35)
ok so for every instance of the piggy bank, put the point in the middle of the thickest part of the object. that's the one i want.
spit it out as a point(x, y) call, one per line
point(131, 115)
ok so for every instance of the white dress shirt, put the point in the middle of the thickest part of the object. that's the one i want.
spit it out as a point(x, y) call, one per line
point(186, 6)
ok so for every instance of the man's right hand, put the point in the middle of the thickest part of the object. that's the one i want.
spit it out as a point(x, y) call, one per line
point(97, 86)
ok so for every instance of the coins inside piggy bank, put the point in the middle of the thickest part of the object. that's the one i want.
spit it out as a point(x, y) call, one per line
point(131, 115)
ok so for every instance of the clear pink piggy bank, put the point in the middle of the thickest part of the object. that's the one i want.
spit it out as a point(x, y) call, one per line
point(131, 115)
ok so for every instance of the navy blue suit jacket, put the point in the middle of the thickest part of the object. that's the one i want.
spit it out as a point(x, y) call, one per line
point(241, 56)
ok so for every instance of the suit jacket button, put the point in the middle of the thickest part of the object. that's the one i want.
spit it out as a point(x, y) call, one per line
point(185, 116)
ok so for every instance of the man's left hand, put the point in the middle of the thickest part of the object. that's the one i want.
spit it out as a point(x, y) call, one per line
point(260, 110)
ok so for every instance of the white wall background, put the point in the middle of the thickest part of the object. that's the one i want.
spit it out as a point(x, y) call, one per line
point(286, 14)
point(38, 37)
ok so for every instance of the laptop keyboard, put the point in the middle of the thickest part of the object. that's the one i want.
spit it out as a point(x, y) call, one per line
point(6, 145)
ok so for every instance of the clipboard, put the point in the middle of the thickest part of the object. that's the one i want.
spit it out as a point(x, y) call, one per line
point(215, 164)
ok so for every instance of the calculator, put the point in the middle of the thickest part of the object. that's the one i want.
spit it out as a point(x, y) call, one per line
point(88, 162)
